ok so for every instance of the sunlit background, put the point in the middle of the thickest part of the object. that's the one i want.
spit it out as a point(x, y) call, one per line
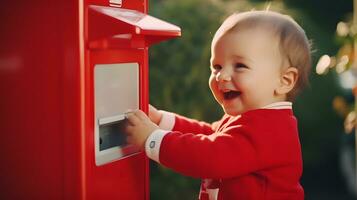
point(179, 72)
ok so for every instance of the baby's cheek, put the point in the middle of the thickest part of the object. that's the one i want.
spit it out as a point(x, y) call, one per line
point(212, 85)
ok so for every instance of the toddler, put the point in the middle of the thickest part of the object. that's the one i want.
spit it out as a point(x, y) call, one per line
point(260, 60)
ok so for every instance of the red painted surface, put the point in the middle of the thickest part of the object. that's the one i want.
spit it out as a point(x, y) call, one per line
point(46, 103)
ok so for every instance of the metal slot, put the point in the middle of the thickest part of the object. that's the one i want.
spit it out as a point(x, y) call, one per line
point(111, 132)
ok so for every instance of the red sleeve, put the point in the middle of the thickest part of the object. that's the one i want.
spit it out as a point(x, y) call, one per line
point(187, 125)
point(219, 155)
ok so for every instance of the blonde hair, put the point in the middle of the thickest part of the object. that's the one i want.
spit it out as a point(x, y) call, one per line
point(293, 43)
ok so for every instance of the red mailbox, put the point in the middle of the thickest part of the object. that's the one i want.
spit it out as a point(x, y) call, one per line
point(68, 72)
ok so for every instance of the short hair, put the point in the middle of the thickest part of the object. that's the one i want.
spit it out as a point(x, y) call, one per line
point(293, 43)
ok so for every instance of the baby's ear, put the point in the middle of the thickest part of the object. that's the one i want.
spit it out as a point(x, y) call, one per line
point(287, 81)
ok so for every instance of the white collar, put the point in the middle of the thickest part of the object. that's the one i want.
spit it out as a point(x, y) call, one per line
point(279, 105)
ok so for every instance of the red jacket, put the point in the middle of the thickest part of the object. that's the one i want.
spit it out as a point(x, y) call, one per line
point(254, 156)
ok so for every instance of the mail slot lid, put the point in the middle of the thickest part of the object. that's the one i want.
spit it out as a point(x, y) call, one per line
point(139, 5)
point(119, 23)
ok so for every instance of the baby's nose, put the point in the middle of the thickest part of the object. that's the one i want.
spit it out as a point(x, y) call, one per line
point(223, 75)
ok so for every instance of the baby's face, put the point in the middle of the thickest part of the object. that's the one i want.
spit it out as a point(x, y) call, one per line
point(245, 70)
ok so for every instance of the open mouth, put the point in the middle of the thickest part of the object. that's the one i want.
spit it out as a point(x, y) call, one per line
point(231, 95)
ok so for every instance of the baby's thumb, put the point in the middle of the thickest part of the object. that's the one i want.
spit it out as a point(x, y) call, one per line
point(154, 114)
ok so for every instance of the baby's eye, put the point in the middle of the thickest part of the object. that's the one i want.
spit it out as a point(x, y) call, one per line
point(216, 67)
point(240, 65)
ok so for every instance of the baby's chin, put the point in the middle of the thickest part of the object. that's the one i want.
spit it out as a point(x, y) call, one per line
point(231, 112)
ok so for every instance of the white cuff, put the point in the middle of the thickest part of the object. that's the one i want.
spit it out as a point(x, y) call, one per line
point(153, 143)
point(167, 121)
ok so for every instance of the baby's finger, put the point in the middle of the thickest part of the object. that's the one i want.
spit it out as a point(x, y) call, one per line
point(129, 129)
point(140, 114)
point(132, 118)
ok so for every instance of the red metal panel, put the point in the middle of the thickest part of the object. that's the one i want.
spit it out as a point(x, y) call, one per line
point(40, 102)
point(46, 107)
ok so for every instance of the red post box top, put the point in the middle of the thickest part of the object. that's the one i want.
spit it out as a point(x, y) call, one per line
point(114, 24)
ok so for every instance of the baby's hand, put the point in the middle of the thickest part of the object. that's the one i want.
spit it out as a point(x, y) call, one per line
point(139, 128)
point(154, 115)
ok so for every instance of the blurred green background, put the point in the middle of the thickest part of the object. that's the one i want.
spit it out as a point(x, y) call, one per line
point(179, 71)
